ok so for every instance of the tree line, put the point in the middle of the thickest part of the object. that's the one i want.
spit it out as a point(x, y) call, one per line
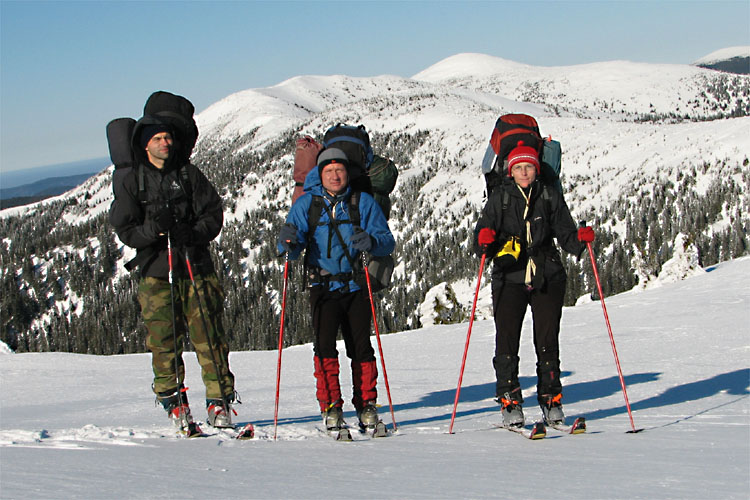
point(62, 287)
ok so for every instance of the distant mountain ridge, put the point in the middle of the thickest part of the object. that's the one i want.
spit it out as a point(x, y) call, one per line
point(730, 60)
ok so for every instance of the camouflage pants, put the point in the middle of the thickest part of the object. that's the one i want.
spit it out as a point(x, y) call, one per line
point(156, 306)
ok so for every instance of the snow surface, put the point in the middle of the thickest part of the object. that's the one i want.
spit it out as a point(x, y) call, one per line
point(77, 426)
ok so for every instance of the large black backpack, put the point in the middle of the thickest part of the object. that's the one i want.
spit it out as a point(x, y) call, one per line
point(177, 112)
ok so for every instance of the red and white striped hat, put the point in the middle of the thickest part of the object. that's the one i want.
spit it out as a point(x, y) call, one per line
point(523, 154)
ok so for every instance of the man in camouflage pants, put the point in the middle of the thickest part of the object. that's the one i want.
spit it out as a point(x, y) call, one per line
point(165, 200)
point(154, 297)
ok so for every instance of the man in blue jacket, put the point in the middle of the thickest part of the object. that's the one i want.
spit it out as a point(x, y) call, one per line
point(338, 293)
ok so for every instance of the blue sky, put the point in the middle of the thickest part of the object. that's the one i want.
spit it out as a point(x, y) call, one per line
point(69, 67)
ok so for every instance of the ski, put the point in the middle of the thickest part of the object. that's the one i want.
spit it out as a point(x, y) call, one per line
point(537, 431)
point(578, 427)
point(377, 431)
point(238, 431)
point(191, 431)
point(243, 432)
point(340, 434)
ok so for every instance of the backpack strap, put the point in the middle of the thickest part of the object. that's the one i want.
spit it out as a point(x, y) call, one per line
point(317, 205)
point(141, 174)
point(354, 208)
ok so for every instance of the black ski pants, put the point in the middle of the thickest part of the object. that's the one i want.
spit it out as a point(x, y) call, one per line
point(509, 302)
point(349, 311)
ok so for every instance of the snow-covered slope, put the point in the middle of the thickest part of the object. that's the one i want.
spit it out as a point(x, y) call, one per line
point(74, 426)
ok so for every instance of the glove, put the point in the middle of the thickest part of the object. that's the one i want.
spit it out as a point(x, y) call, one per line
point(361, 241)
point(486, 238)
point(586, 234)
point(163, 220)
point(508, 255)
point(288, 237)
point(181, 235)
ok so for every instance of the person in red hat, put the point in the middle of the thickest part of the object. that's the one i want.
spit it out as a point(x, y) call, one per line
point(517, 229)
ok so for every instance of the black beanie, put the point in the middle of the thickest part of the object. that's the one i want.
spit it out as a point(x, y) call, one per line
point(149, 131)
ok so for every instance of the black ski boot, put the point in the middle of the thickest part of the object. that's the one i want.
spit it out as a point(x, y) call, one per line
point(552, 409)
point(512, 411)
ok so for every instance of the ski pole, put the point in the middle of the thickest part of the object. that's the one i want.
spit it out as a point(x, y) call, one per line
point(468, 336)
point(377, 337)
point(281, 344)
point(211, 349)
point(174, 321)
point(612, 339)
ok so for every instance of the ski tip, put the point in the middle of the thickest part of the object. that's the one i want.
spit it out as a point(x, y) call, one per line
point(246, 432)
point(579, 426)
point(538, 431)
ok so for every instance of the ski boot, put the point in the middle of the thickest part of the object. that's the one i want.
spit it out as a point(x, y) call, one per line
point(180, 416)
point(178, 411)
point(370, 422)
point(218, 416)
point(368, 415)
point(552, 409)
point(333, 418)
point(512, 411)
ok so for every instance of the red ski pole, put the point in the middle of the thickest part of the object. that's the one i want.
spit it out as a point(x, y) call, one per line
point(466, 349)
point(377, 337)
point(611, 339)
point(281, 345)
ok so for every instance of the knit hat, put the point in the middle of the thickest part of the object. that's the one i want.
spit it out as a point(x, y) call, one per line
point(332, 155)
point(523, 154)
point(149, 131)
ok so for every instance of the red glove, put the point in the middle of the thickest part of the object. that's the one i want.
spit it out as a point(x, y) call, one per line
point(586, 234)
point(486, 237)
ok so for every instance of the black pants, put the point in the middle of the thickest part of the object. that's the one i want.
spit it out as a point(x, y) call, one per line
point(509, 302)
point(349, 311)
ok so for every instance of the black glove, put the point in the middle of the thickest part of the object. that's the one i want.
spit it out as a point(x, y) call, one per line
point(288, 237)
point(163, 220)
point(181, 235)
point(361, 241)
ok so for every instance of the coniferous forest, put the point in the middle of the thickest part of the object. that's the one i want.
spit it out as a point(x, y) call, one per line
point(63, 288)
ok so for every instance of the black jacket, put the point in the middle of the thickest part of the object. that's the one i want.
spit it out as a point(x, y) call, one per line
point(198, 204)
point(549, 217)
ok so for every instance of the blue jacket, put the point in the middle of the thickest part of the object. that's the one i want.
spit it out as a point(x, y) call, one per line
point(325, 250)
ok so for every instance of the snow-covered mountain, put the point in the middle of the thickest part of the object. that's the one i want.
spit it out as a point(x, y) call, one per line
point(650, 151)
point(731, 60)
point(75, 426)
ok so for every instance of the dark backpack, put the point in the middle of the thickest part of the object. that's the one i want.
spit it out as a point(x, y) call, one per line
point(119, 135)
point(509, 130)
point(305, 159)
point(119, 140)
point(369, 173)
point(177, 112)
point(354, 141)
point(383, 175)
